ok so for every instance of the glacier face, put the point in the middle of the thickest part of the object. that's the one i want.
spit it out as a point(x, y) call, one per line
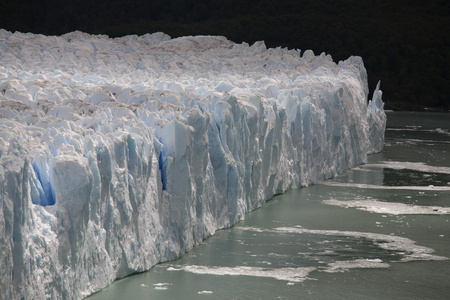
point(117, 154)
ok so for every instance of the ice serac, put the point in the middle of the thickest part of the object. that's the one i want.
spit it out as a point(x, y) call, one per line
point(117, 154)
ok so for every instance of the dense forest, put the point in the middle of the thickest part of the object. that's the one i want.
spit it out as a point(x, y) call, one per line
point(404, 43)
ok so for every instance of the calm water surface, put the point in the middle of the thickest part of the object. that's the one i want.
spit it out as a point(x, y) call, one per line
point(379, 231)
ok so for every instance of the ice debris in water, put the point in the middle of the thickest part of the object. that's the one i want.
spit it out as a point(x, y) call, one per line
point(298, 274)
point(117, 154)
point(377, 206)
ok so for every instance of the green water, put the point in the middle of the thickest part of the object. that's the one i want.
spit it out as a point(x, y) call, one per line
point(379, 231)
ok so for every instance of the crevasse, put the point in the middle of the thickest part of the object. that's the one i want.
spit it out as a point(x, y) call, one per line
point(117, 154)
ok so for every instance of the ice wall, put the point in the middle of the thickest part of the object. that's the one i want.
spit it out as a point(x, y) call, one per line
point(117, 154)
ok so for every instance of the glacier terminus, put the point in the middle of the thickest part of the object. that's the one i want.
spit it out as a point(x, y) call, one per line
point(117, 154)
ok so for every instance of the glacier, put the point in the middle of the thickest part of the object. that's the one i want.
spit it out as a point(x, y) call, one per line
point(120, 153)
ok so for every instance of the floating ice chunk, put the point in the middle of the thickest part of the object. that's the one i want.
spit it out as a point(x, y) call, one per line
point(389, 207)
point(342, 266)
point(288, 274)
point(161, 286)
point(204, 292)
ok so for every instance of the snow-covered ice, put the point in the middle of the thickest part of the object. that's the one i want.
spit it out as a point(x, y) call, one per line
point(117, 154)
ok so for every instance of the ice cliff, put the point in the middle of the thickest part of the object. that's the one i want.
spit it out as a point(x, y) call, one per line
point(117, 154)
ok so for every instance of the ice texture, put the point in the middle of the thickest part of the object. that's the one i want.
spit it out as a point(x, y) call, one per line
point(117, 154)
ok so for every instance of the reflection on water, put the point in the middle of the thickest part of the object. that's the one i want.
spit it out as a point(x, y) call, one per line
point(379, 231)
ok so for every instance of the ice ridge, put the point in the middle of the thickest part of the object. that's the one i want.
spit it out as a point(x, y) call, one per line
point(117, 154)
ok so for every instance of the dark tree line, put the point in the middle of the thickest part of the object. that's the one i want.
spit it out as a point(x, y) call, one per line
point(405, 43)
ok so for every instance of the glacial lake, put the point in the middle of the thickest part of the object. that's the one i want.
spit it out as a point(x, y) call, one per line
point(379, 231)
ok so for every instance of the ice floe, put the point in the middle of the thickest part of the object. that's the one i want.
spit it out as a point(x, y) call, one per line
point(385, 187)
point(400, 250)
point(289, 274)
point(345, 265)
point(408, 248)
point(392, 208)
